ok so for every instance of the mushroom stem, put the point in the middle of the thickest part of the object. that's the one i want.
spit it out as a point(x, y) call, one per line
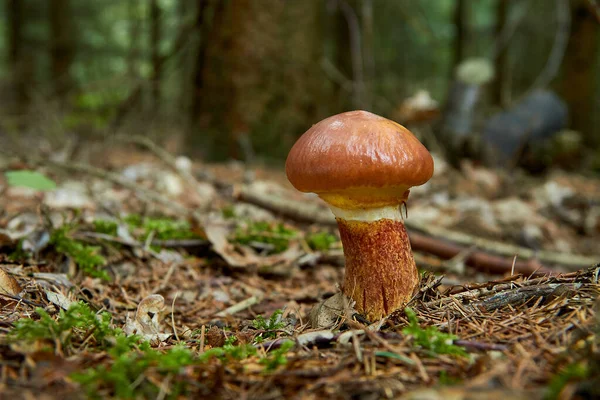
point(381, 274)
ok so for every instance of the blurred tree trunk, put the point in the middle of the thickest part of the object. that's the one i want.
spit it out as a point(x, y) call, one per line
point(155, 36)
point(134, 33)
point(14, 11)
point(460, 39)
point(498, 88)
point(209, 14)
point(348, 55)
point(256, 69)
point(579, 74)
point(185, 13)
point(367, 47)
point(62, 47)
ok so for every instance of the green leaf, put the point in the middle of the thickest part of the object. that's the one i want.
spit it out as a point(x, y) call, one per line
point(29, 179)
point(389, 354)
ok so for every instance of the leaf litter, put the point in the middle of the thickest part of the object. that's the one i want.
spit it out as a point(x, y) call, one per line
point(191, 281)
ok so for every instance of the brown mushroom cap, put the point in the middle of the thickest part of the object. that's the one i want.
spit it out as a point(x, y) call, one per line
point(358, 159)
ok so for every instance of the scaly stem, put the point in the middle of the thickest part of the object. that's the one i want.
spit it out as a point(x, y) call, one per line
point(381, 274)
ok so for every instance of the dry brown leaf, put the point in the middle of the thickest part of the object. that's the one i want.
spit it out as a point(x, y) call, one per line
point(8, 284)
point(146, 320)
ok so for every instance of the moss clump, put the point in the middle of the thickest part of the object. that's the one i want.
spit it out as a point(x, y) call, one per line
point(278, 236)
point(86, 256)
point(320, 241)
point(430, 338)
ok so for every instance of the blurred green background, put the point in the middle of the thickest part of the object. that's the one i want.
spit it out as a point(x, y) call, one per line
point(243, 79)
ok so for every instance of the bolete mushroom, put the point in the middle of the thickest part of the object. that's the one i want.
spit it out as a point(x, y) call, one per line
point(363, 165)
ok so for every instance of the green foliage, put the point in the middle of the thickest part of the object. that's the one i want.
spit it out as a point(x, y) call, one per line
point(430, 338)
point(127, 368)
point(269, 326)
point(18, 254)
point(228, 212)
point(572, 372)
point(129, 364)
point(276, 235)
point(106, 227)
point(396, 356)
point(29, 179)
point(86, 256)
point(277, 358)
point(78, 321)
point(447, 380)
point(229, 352)
point(320, 241)
point(161, 228)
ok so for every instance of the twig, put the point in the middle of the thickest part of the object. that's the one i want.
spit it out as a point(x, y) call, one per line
point(173, 316)
point(480, 345)
point(476, 259)
point(161, 153)
point(142, 192)
point(202, 338)
point(448, 246)
point(242, 305)
point(571, 261)
point(589, 276)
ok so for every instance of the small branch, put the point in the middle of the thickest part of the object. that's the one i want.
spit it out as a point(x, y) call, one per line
point(435, 240)
point(161, 153)
point(242, 305)
point(469, 344)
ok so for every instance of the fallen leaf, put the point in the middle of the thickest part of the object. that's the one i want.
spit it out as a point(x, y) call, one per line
point(146, 319)
point(8, 284)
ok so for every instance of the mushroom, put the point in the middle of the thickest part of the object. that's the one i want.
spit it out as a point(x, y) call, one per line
point(363, 165)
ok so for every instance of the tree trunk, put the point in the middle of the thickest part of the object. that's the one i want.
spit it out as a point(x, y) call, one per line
point(498, 88)
point(347, 49)
point(579, 74)
point(460, 40)
point(155, 36)
point(61, 45)
point(134, 33)
point(15, 56)
point(204, 27)
point(367, 47)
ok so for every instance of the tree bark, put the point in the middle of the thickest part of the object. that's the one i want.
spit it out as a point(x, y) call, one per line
point(460, 40)
point(498, 88)
point(134, 33)
point(204, 27)
point(579, 73)
point(14, 10)
point(62, 48)
point(155, 36)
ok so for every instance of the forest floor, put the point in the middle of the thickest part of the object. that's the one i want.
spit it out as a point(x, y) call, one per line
point(148, 276)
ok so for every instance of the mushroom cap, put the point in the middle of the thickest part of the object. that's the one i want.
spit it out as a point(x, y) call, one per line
point(358, 159)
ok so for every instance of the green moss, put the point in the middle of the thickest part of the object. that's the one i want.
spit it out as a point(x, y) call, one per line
point(228, 212)
point(18, 254)
point(160, 228)
point(276, 235)
point(86, 256)
point(430, 338)
point(121, 377)
point(570, 373)
point(448, 380)
point(77, 322)
point(106, 227)
point(320, 241)
point(277, 358)
point(269, 326)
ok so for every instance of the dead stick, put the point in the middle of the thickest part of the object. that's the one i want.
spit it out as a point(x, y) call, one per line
point(311, 212)
point(477, 259)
